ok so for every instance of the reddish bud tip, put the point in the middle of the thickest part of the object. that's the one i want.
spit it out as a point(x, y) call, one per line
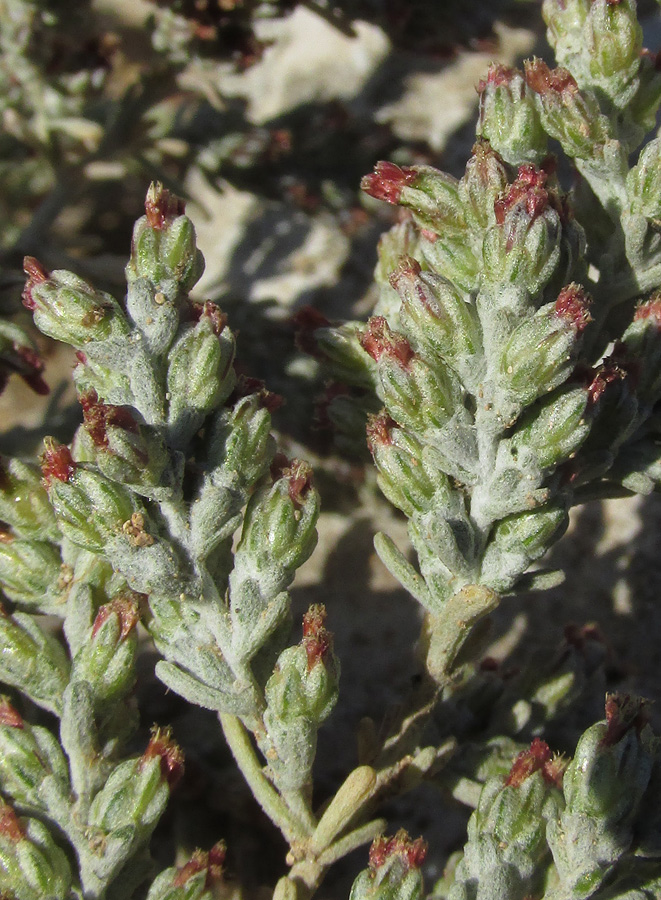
point(208, 310)
point(10, 826)
point(98, 417)
point(298, 473)
point(528, 192)
point(497, 75)
point(318, 642)
point(623, 712)
point(8, 715)
point(125, 608)
point(246, 385)
point(538, 758)
point(171, 756)
point(609, 372)
point(212, 861)
point(379, 430)
point(411, 853)
point(56, 462)
point(378, 340)
point(162, 207)
point(37, 274)
point(650, 309)
point(573, 305)
point(543, 80)
point(387, 180)
point(306, 321)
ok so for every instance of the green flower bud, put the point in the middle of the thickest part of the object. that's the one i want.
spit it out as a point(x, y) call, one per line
point(565, 20)
point(394, 870)
point(32, 660)
point(69, 309)
point(405, 477)
point(32, 866)
point(452, 254)
point(508, 117)
point(414, 394)
point(125, 450)
point(554, 431)
point(28, 755)
point(240, 440)
point(164, 249)
point(137, 790)
point(543, 350)
point(506, 854)
point(644, 182)
point(90, 508)
point(107, 660)
point(279, 524)
point(436, 318)
point(30, 573)
point(341, 347)
point(432, 196)
point(603, 788)
point(517, 541)
point(24, 503)
point(524, 247)
point(641, 347)
point(484, 181)
point(200, 374)
point(568, 115)
point(198, 879)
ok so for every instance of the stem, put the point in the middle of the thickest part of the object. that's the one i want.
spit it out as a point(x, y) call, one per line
point(268, 798)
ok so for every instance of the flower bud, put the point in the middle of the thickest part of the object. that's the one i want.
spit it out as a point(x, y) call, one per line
point(523, 248)
point(24, 503)
point(341, 346)
point(603, 787)
point(198, 879)
point(555, 430)
point(416, 395)
point(641, 349)
point(107, 660)
point(89, 507)
point(439, 321)
point(32, 660)
point(543, 350)
point(138, 790)
point(28, 755)
point(484, 181)
point(568, 115)
point(69, 309)
point(644, 182)
point(404, 477)
point(125, 450)
point(394, 870)
point(32, 866)
point(29, 574)
point(613, 403)
point(279, 524)
point(508, 117)
point(432, 196)
point(200, 374)
point(164, 249)
point(240, 440)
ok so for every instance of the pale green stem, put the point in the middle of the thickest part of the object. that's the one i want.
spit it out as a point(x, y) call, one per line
point(268, 798)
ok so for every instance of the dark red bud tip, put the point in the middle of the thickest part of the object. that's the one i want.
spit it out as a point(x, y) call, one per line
point(246, 386)
point(411, 853)
point(378, 340)
point(37, 274)
point(10, 716)
point(162, 207)
point(573, 305)
point(527, 192)
point(318, 642)
point(10, 826)
point(407, 269)
point(98, 417)
point(125, 608)
point(56, 462)
point(210, 311)
point(379, 430)
point(387, 180)
point(650, 309)
point(161, 746)
point(306, 321)
point(537, 758)
point(298, 473)
point(609, 372)
point(547, 81)
point(212, 861)
point(623, 712)
point(497, 75)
